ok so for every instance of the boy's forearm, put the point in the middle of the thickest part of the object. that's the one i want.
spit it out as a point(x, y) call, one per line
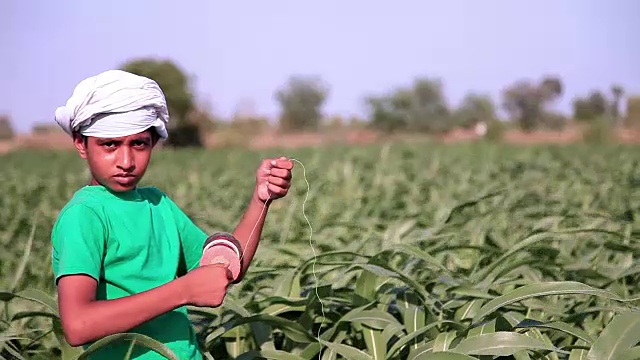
point(252, 220)
point(101, 318)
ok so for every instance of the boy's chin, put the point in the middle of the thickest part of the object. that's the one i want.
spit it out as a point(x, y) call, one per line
point(121, 189)
point(122, 186)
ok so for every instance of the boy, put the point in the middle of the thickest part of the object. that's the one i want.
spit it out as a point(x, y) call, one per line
point(126, 258)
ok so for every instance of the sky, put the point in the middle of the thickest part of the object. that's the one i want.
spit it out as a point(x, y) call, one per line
point(240, 52)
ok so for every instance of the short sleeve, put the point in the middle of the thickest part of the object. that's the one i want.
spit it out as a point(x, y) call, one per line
point(78, 239)
point(192, 237)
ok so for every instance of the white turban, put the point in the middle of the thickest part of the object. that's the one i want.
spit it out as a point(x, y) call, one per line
point(114, 103)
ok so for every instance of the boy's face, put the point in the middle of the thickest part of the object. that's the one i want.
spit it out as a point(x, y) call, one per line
point(117, 163)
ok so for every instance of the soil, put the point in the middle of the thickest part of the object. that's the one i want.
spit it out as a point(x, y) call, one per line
point(273, 138)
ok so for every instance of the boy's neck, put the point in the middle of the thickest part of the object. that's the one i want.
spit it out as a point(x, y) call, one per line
point(124, 195)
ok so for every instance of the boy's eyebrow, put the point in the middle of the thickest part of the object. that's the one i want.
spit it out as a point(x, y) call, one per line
point(137, 138)
point(142, 138)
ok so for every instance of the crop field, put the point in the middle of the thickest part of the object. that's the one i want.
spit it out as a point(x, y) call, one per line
point(424, 251)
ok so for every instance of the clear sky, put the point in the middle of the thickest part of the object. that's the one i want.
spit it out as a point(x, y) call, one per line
point(244, 50)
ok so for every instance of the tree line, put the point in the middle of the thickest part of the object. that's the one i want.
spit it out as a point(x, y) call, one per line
point(420, 107)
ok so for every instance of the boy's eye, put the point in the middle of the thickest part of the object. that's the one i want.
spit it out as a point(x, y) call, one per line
point(139, 143)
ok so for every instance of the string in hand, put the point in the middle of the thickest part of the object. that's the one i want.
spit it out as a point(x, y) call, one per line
point(315, 256)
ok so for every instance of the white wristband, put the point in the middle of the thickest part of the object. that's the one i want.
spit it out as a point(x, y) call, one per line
point(222, 242)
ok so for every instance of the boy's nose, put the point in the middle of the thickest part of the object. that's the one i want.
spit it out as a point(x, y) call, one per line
point(126, 160)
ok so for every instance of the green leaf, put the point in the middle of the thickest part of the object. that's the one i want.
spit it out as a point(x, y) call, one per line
point(141, 339)
point(557, 325)
point(347, 351)
point(443, 356)
point(501, 343)
point(376, 319)
point(620, 335)
point(543, 289)
point(269, 354)
point(291, 329)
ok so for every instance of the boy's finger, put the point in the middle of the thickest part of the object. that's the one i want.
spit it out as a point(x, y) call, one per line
point(278, 181)
point(282, 164)
point(281, 173)
point(274, 189)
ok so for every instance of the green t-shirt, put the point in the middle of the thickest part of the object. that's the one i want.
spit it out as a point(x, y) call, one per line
point(130, 242)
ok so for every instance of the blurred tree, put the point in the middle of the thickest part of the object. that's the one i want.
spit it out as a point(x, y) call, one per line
point(335, 122)
point(553, 120)
point(421, 107)
point(429, 110)
point(202, 117)
point(6, 129)
point(522, 103)
point(591, 107)
point(180, 100)
point(301, 102)
point(616, 92)
point(44, 129)
point(475, 108)
point(551, 89)
point(526, 102)
point(388, 113)
point(633, 112)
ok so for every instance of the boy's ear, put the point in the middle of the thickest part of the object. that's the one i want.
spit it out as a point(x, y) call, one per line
point(80, 142)
point(155, 137)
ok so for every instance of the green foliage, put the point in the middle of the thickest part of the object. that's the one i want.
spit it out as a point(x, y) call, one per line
point(475, 108)
point(495, 130)
point(526, 102)
point(180, 100)
point(596, 106)
point(633, 112)
point(554, 121)
point(419, 108)
point(591, 107)
point(44, 128)
point(172, 80)
point(241, 130)
point(301, 101)
point(617, 92)
point(599, 131)
point(424, 252)
point(6, 130)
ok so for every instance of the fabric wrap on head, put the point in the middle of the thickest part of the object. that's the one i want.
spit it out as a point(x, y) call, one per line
point(114, 103)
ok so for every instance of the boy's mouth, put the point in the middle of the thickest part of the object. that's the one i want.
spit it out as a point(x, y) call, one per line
point(124, 176)
point(125, 179)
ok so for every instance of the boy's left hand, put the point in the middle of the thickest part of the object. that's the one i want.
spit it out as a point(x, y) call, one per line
point(273, 179)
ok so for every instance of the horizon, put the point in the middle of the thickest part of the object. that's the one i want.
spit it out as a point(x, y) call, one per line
point(241, 55)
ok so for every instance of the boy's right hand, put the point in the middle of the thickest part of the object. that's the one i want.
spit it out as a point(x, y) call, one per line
point(206, 286)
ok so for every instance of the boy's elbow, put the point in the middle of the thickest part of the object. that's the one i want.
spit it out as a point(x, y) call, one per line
point(75, 333)
point(74, 340)
point(78, 316)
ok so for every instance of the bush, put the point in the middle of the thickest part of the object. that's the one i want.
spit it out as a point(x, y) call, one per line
point(599, 131)
point(184, 136)
point(495, 130)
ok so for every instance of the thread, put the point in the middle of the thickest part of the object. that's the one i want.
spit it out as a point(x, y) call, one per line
point(315, 257)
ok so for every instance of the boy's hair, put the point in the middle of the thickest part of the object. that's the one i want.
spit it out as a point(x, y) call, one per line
point(114, 103)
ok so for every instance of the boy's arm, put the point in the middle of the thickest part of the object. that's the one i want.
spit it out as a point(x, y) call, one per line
point(84, 319)
point(193, 237)
point(253, 219)
point(273, 179)
point(79, 241)
point(272, 182)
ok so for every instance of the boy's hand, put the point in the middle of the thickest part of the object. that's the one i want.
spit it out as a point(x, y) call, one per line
point(206, 286)
point(273, 179)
